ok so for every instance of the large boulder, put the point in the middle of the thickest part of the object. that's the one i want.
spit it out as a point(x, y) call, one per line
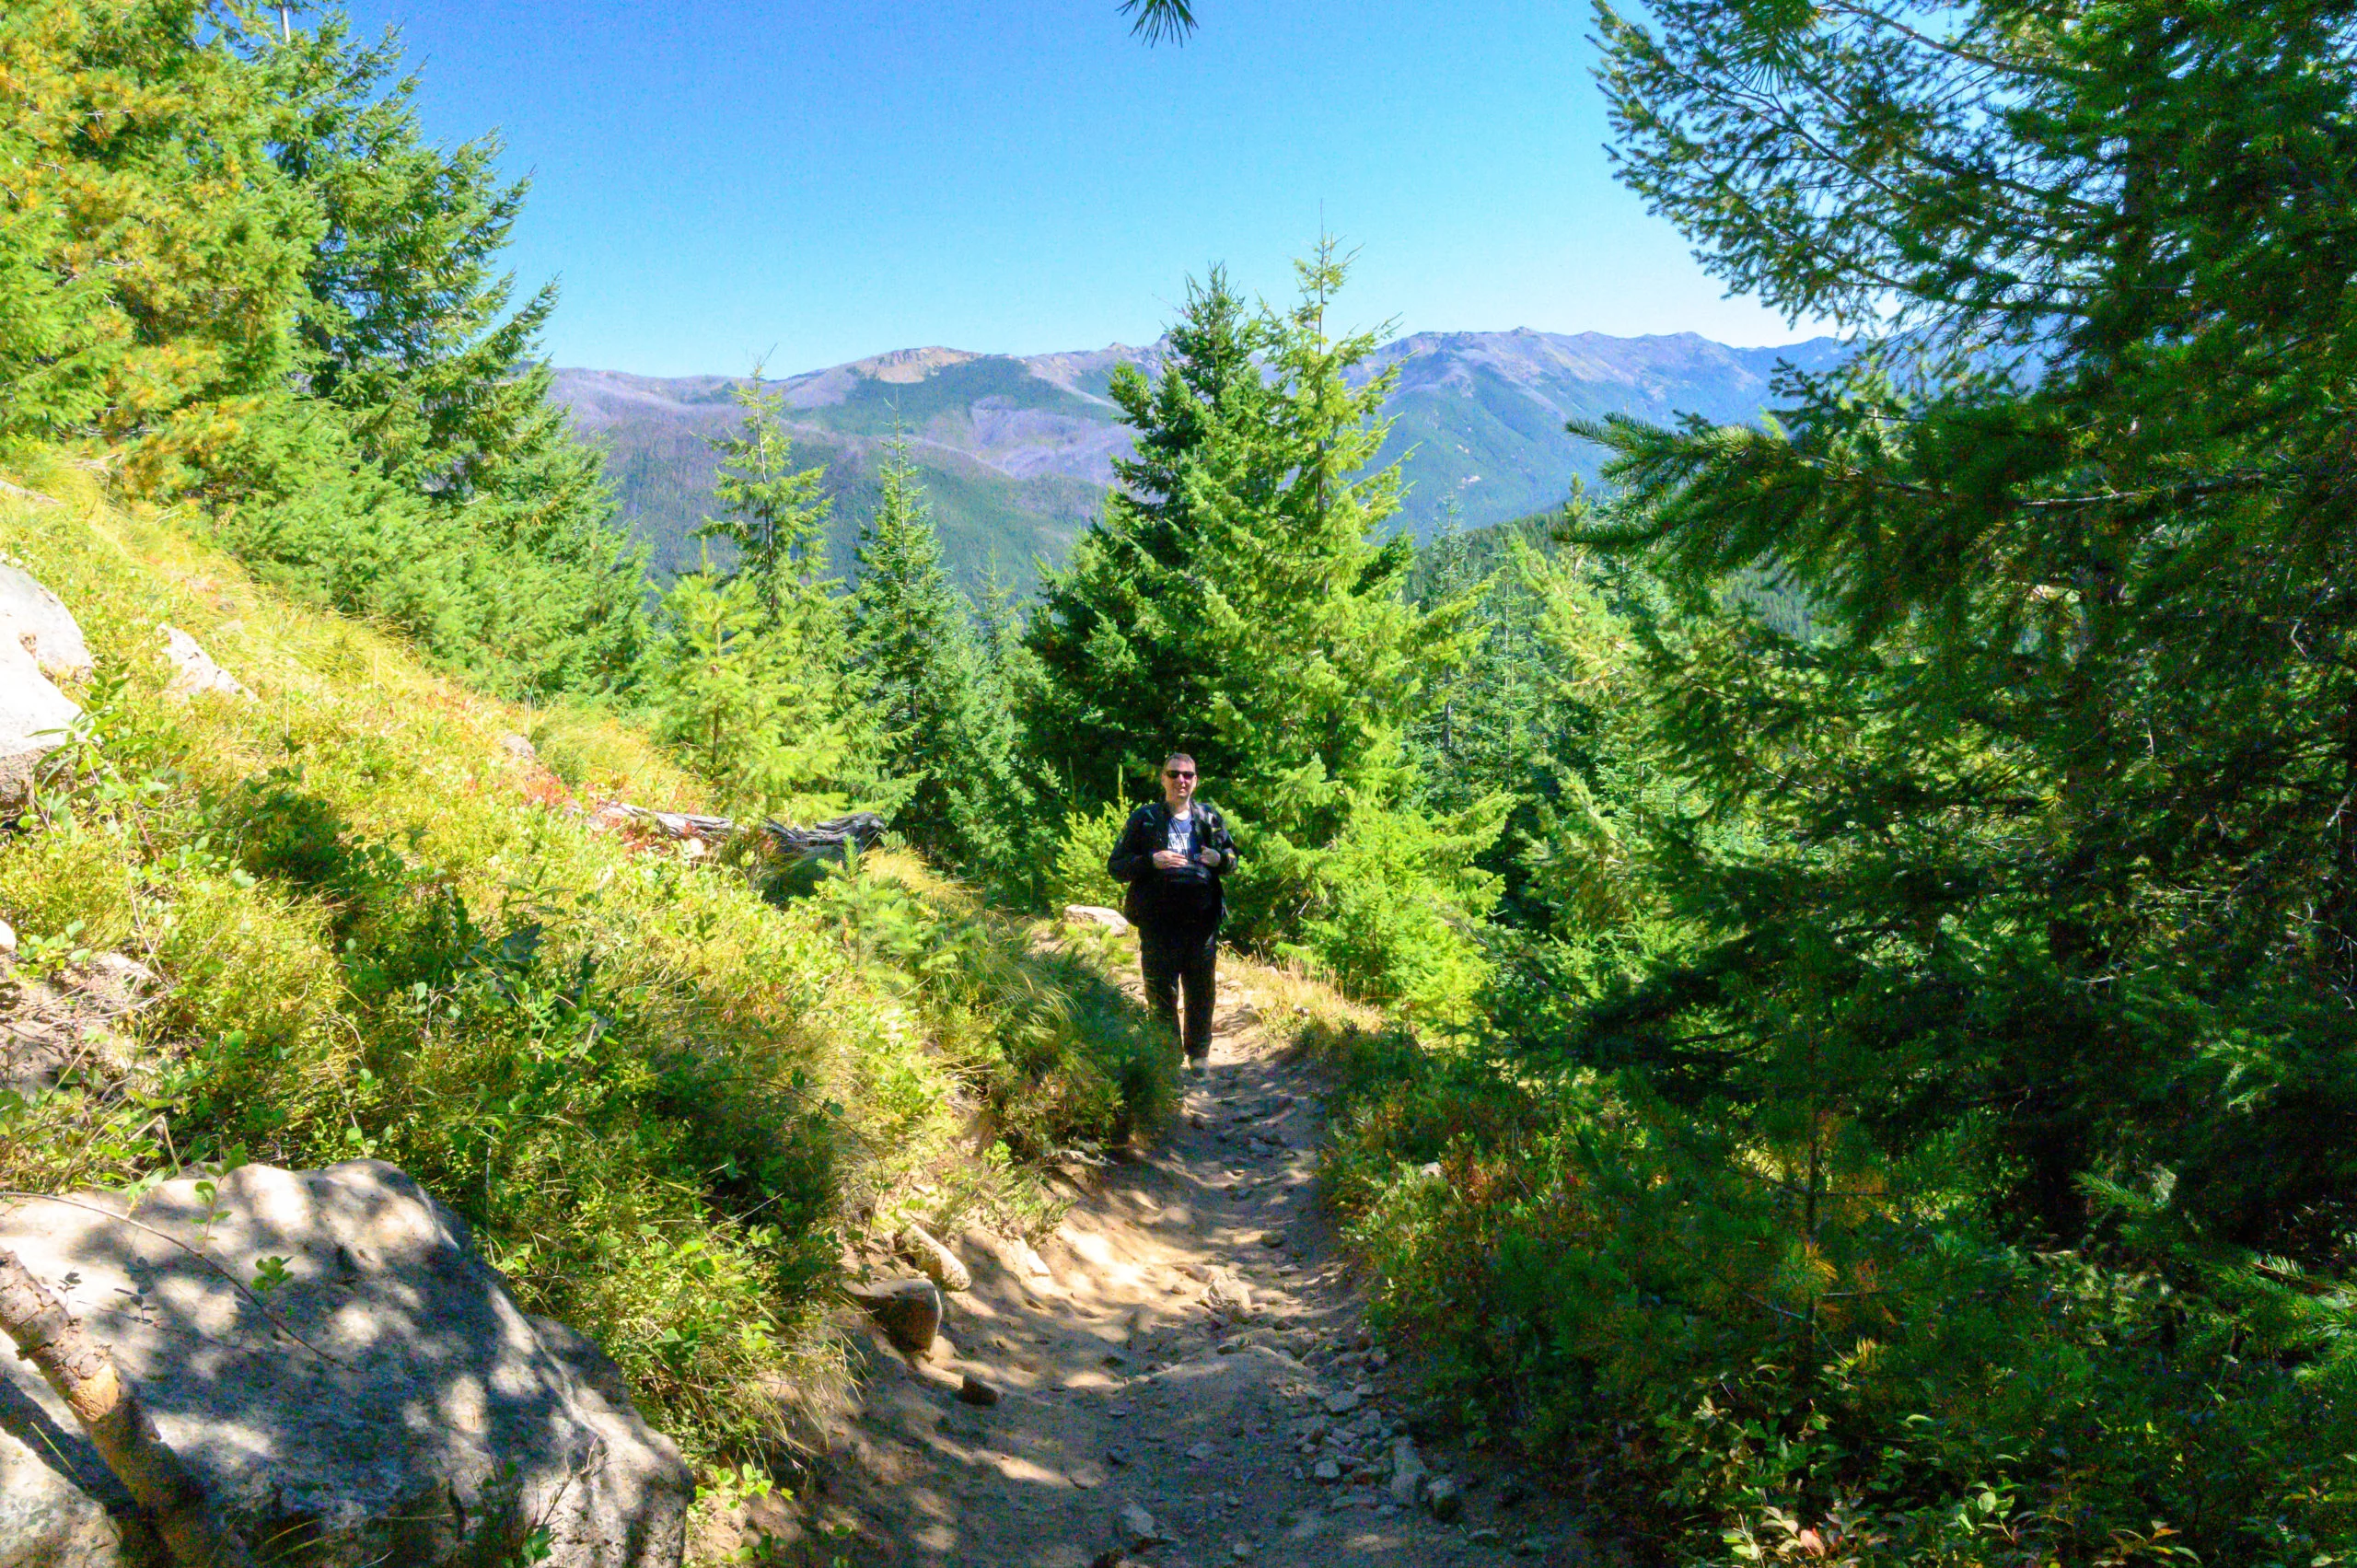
point(391, 1405)
point(37, 622)
point(39, 639)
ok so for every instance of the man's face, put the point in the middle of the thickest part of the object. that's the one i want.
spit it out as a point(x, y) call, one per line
point(1178, 784)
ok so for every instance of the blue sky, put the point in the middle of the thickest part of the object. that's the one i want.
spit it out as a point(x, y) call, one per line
point(815, 181)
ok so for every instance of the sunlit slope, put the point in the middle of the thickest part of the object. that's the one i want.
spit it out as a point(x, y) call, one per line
point(382, 929)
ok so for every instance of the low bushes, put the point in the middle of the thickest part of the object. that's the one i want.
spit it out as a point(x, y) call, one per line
point(661, 1100)
point(1751, 1349)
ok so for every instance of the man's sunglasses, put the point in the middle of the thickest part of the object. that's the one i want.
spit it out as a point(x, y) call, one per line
point(1175, 774)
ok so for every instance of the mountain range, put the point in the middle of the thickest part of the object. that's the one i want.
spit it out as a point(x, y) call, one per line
point(1016, 452)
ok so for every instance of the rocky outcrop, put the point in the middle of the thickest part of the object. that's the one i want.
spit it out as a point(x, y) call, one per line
point(40, 644)
point(386, 1403)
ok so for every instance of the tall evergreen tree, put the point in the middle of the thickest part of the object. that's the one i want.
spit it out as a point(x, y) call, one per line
point(774, 513)
point(160, 253)
point(2036, 937)
point(757, 681)
point(1238, 598)
point(1125, 666)
point(417, 369)
point(913, 649)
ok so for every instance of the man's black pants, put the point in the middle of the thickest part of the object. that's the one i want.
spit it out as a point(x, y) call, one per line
point(1174, 958)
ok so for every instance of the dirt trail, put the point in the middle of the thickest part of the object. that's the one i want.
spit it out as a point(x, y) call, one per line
point(1189, 1343)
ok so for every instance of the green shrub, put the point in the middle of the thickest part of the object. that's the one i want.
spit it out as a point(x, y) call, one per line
point(1079, 875)
point(1754, 1351)
point(661, 1101)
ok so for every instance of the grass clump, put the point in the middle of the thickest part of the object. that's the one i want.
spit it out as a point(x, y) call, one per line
point(663, 1101)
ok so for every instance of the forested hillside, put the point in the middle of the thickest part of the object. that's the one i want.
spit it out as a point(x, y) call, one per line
point(1016, 452)
point(1861, 905)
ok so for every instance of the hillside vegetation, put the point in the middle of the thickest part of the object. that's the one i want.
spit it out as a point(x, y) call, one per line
point(1865, 912)
point(664, 1104)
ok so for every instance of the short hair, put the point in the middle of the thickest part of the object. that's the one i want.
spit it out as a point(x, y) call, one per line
point(1176, 757)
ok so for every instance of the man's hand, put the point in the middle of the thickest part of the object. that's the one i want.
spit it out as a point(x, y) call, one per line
point(1209, 857)
point(1168, 859)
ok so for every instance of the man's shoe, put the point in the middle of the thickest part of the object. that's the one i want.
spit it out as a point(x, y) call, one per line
point(1198, 1061)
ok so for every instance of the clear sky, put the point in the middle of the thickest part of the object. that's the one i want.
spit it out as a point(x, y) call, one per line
point(817, 180)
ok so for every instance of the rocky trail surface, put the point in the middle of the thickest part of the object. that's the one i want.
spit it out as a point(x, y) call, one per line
point(1180, 1378)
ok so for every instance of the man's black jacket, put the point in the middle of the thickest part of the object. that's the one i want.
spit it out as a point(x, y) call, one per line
point(1154, 898)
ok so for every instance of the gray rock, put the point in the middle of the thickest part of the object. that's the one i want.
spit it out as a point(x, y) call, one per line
point(939, 1264)
point(194, 671)
point(909, 1310)
point(974, 1391)
point(37, 622)
point(1113, 921)
point(1343, 1404)
point(1139, 1527)
point(445, 1428)
point(34, 715)
point(1441, 1496)
point(1328, 1471)
point(518, 747)
point(1408, 1472)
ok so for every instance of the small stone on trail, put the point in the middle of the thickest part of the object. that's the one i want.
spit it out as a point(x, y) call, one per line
point(1200, 1452)
point(1139, 1527)
point(1328, 1471)
point(1486, 1535)
point(909, 1310)
point(939, 1264)
point(516, 746)
point(8, 937)
point(1408, 1472)
point(1272, 1238)
point(974, 1391)
point(1343, 1404)
point(1443, 1498)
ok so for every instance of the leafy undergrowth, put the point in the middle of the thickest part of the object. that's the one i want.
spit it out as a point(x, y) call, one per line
point(1741, 1350)
point(663, 1102)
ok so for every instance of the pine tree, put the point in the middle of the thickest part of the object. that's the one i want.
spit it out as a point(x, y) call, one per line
point(415, 368)
point(749, 706)
point(155, 257)
point(774, 513)
point(1118, 639)
point(2065, 758)
point(913, 650)
point(1239, 600)
point(764, 647)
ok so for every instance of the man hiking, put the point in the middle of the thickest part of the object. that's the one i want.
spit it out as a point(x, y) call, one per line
point(1172, 854)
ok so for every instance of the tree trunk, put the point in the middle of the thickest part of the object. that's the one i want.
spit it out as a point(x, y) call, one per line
point(118, 1426)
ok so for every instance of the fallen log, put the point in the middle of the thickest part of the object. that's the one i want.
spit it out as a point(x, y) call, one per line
point(827, 840)
point(116, 1423)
